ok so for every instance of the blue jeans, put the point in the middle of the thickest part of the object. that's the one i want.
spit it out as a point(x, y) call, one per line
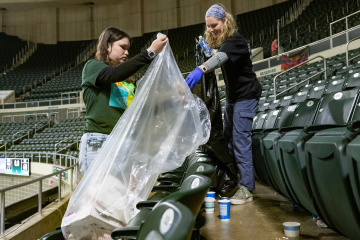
point(238, 119)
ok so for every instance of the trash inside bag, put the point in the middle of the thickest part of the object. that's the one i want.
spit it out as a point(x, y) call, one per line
point(163, 124)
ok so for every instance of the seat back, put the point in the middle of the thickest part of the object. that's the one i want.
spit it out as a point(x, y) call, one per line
point(336, 108)
point(191, 193)
point(316, 92)
point(259, 120)
point(271, 119)
point(286, 100)
point(300, 97)
point(305, 113)
point(353, 80)
point(335, 86)
point(57, 235)
point(201, 169)
point(168, 221)
point(286, 116)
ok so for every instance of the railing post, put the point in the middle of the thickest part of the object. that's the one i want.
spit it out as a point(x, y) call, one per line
point(71, 178)
point(40, 197)
point(2, 222)
point(347, 33)
point(59, 190)
point(331, 39)
point(76, 173)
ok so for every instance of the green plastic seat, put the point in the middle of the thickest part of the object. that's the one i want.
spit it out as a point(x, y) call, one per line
point(269, 121)
point(337, 187)
point(335, 86)
point(334, 111)
point(271, 155)
point(169, 221)
point(353, 159)
point(57, 235)
point(196, 168)
point(353, 80)
point(291, 156)
point(328, 172)
point(191, 194)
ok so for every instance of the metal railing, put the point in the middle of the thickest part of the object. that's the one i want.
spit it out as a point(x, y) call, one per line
point(77, 110)
point(14, 140)
point(297, 49)
point(34, 155)
point(323, 71)
point(71, 137)
point(77, 94)
point(49, 123)
point(347, 51)
point(39, 180)
point(346, 23)
point(63, 101)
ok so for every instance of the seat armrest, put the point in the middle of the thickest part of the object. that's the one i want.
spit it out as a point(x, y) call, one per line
point(318, 128)
point(128, 232)
point(146, 204)
point(353, 126)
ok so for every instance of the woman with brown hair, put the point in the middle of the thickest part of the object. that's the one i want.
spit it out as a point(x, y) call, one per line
point(108, 88)
point(243, 91)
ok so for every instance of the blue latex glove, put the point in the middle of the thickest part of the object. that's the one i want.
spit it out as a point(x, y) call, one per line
point(194, 77)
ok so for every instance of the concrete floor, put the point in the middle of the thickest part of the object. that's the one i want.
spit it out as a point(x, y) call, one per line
point(261, 220)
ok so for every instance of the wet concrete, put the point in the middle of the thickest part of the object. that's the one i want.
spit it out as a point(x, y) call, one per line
point(262, 219)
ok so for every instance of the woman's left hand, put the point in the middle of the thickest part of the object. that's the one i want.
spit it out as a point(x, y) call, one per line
point(194, 77)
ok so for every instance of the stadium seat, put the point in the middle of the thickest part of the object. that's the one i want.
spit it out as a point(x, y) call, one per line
point(168, 221)
point(291, 155)
point(269, 143)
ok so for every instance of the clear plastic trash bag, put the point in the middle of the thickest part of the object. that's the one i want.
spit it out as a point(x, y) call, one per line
point(163, 124)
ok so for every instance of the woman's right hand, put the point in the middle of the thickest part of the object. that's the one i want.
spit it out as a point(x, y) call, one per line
point(158, 44)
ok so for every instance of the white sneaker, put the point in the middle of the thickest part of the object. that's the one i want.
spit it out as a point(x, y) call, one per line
point(241, 196)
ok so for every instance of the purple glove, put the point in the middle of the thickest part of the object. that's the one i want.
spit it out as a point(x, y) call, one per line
point(194, 77)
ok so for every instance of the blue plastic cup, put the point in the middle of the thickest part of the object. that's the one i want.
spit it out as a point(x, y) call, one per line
point(210, 194)
point(224, 207)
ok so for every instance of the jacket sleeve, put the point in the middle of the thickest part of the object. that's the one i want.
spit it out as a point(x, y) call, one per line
point(123, 70)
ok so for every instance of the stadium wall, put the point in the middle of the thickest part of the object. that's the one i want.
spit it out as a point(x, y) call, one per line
point(50, 24)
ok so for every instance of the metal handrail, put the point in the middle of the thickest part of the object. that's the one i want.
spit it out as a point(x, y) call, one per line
point(41, 126)
point(39, 180)
point(68, 93)
point(347, 51)
point(33, 154)
point(63, 141)
point(61, 99)
point(299, 48)
point(275, 95)
point(12, 137)
point(346, 23)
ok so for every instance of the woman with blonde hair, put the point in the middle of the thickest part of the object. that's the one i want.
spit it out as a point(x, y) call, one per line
point(108, 88)
point(243, 91)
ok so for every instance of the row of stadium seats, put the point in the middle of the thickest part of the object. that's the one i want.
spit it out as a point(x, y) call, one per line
point(9, 47)
point(17, 131)
point(339, 77)
point(177, 193)
point(307, 31)
point(41, 66)
point(307, 152)
point(60, 138)
point(68, 82)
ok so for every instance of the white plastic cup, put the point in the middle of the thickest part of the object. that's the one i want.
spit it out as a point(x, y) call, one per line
point(291, 229)
point(209, 204)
